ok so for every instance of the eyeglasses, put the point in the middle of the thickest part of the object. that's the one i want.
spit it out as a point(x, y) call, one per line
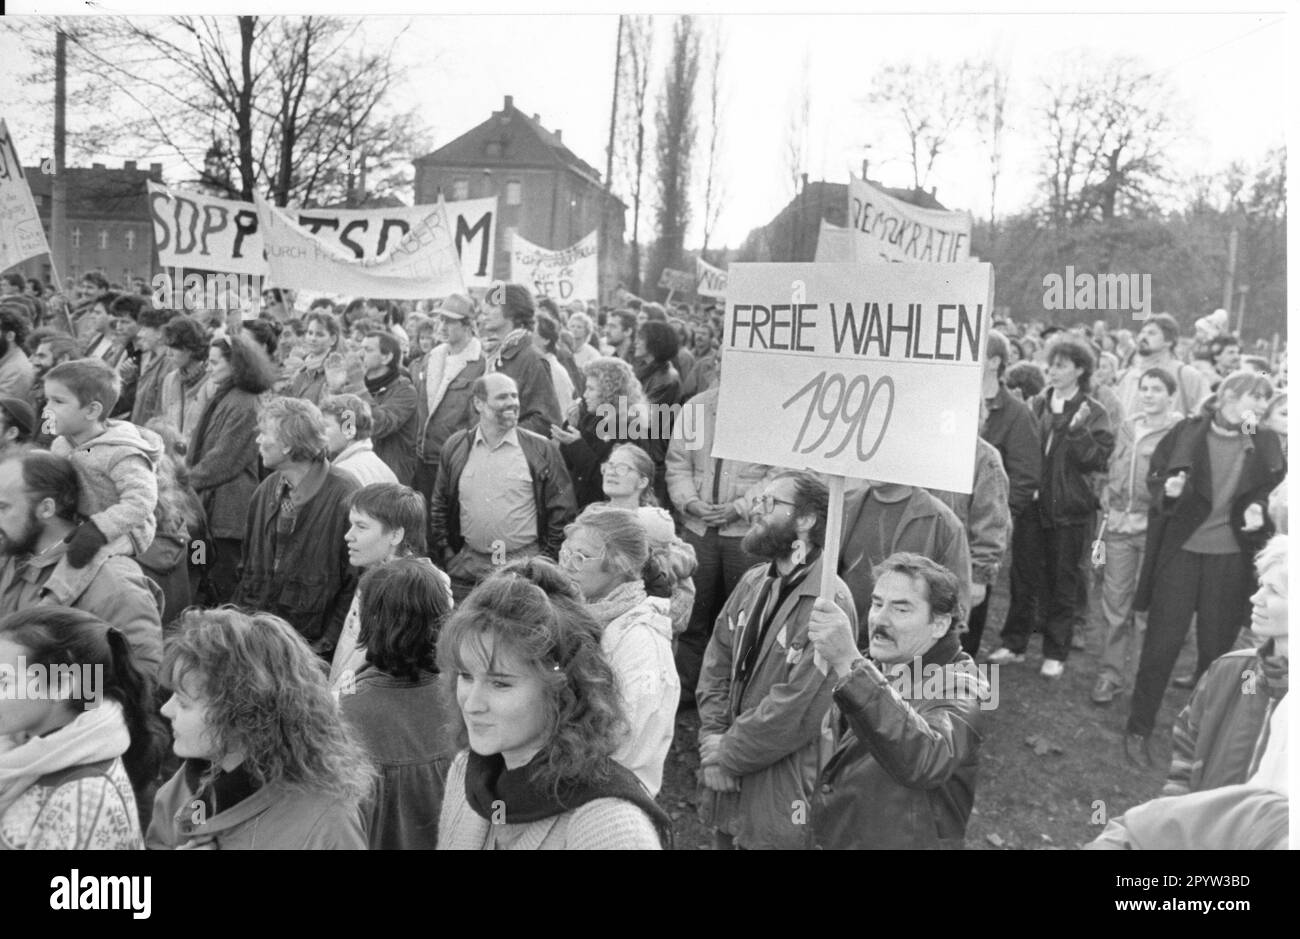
point(767, 502)
point(568, 556)
point(618, 469)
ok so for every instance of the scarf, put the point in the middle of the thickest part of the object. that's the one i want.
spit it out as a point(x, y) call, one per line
point(95, 735)
point(376, 385)
point(618, 601)
point(193, 373)
point(1274, 667)
point(489, 786)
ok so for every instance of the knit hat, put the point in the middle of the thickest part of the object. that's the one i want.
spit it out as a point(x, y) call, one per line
point(19, 413)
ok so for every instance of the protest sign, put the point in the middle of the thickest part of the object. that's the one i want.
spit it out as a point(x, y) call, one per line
point(561, 275)
point(21, 234)
point(201, 232)
point(422, 264)
point(676, 281)
point(834, 244)
point(710, 281)
point(880, 368)
point(888, 229)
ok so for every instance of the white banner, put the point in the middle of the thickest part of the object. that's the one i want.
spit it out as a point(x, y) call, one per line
point(710, 281)
point(887, 229)
point(834, 244)
point(879, 364)
point(21, 234)
point(570, 274)
point(205, 233)
point(422, 264)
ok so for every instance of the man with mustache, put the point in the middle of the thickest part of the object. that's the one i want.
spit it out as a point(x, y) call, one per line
point(503, 492)
point(762, 692)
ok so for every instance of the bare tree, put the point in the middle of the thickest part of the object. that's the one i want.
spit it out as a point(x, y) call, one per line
point(931, 102)
point(675, 128)
point(796, 141)
point(714, 186)
point(990, 122)
point(630, 146)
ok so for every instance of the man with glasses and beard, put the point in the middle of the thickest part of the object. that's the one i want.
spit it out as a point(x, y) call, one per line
point(762, 692)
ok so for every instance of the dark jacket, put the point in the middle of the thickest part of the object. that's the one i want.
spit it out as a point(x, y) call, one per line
point(393, 409)
point(902, 774)
point(1172, 521)
point(1065, 491)
point(1012, 429)
point(585, 455)
point(454, 412)
point(222, 458)
point(313, 586)
point(539, 407)
point(552, 492)
point(148, 389)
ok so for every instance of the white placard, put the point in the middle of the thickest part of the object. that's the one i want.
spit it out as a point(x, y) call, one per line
point(569, 274)
point(21, 234)
point(888, 229)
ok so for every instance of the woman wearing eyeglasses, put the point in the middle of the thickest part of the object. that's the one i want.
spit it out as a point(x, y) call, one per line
point(537, 716)
point(606, 553)
point(610, 412)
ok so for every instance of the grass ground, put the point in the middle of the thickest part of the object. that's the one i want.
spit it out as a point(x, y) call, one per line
point(1051, 792)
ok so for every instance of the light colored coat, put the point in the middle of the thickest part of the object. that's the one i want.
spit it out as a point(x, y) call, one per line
point(118, 476)
point(360, 461)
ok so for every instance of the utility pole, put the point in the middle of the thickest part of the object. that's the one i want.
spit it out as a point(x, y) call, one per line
point(1232, 269)
point(605, 249)
point(59, 189)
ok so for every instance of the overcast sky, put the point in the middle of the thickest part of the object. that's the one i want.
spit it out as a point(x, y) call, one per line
point(1226, 69)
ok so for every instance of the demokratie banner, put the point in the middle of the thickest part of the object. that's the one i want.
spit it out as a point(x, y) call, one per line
point(21, 234)
point(710, 281)
point(888, 229)
point(570, 274)
point(880, 368)
point(206, 233)
point(423, 263)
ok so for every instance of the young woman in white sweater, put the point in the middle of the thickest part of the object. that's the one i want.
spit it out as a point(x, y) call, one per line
point(538, 715)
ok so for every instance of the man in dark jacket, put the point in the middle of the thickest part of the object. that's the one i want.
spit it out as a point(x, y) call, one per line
point(903, 769)
point(442, 379)
point(1077, 440)
point(392, 404)
point(154, 365)
point(508, 341)
point(502, 494)
point(294, 559)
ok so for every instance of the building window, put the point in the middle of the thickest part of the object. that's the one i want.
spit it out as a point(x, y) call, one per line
point(460, 190)
point(103, 239)
point(514, 192)
point(76, 238)
point(130, 239)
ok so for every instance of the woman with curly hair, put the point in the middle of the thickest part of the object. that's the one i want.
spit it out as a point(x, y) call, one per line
point(536, 711)
point(610, 412)
point(607, 553)
point(80, 748)
point(222, 453)
point(321, 336)
point(268, 762)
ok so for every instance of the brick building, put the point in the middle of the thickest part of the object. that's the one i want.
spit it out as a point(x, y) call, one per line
point(544, 191)
point(109, 228)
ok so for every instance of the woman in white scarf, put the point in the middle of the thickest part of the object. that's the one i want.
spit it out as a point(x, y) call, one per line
point(77, 729)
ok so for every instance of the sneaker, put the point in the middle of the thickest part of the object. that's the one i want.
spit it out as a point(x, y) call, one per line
point(1052, 668)
point(1104, 691)
point(1005, 656)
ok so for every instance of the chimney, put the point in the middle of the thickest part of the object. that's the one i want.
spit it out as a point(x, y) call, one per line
point(805, 181)
point(97, 166)
point(559, 138)
point(933, 190)
point(155, 169)
point(510, 102)
point(864, 170)
point(537, 117)
point(129, 166)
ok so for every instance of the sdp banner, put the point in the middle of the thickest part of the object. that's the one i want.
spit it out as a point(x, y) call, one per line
point(710, 281)
point(569, 274)
point(21, 234)
point(206, 233)
point(880, 368)
point(888, 229)
point(423, 263)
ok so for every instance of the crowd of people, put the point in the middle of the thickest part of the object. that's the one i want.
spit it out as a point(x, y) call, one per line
point(383, 574)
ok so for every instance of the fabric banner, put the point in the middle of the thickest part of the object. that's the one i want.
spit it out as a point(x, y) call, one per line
point(422, 264)
point(710, 281)
point(569, 274)
point(21, 234)
point(676, 281)
point(834, 244)
point(879, 369)
point(888, 229)
point(206, 233)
